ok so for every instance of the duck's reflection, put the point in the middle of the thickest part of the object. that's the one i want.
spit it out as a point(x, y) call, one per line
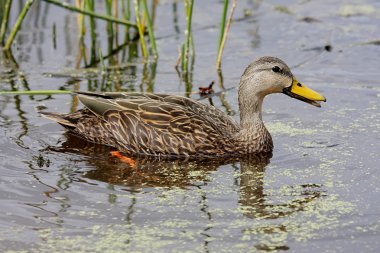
point(148, 172)
point(255, 203)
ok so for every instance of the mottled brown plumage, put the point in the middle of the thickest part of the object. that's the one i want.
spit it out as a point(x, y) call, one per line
point(176, 126)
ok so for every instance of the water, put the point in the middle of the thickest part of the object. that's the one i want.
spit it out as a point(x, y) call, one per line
point(318, 193)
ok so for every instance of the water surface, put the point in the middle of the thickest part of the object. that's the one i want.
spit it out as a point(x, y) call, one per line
point(318, 192)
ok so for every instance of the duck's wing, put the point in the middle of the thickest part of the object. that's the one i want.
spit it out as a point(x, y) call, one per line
point(161, 124)
point(211, 113)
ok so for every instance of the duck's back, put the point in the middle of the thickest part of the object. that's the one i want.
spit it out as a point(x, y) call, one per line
point(151, 124)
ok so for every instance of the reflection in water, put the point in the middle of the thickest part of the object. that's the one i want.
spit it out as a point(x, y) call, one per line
point(175, 20)
point(145, 172)
point(148, 76)
point(222, 96)
point(8, 62)
point(253, 202)
point(152, 172)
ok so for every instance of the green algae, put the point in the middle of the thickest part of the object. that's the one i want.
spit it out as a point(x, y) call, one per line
point(283, 9)
point(286, 128)
point(358, 10)
point(323, 214)
point(281, 215)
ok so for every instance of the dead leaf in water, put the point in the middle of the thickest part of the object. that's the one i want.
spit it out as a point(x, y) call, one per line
point(206, 90)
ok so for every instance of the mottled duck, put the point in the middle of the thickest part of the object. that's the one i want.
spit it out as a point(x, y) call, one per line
point(176, 126)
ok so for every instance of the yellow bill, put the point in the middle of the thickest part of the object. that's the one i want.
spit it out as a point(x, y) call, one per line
point(303, 93)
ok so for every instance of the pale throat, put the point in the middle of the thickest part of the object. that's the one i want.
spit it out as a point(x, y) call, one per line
point(251, 112)
point(253, 135)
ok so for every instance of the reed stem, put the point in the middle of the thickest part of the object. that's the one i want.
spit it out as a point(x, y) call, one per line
point(4, 23)
point(183, 56)
point(223, 23)
point(110, 31)
point(126, 10)
point(189, 13)
point(150, 30)
point(116, 25)
point(82, 30)
point(227, 29)
point(140, 28)
point(17, 25)
point(109, 13)
point(90, 6)
point(90, 13)
point(102, 65)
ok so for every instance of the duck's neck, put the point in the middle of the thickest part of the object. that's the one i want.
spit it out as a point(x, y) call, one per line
point(253, 134)
point(250, 112)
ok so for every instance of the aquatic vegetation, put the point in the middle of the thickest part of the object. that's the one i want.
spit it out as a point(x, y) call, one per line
point(143, 21)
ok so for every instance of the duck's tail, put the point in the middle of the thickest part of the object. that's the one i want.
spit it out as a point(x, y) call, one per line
point(60, 118)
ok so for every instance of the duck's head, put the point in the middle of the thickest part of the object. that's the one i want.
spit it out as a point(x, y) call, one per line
point(269, 75)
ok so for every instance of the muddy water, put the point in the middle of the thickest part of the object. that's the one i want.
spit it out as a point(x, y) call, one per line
point(318, 193)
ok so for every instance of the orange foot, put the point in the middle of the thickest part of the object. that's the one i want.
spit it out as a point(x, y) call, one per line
point(123, 158)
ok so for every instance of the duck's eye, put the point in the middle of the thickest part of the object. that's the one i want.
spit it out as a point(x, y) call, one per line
point(276, 69)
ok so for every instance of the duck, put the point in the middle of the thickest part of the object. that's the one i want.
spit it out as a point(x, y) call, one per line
point(166, 125)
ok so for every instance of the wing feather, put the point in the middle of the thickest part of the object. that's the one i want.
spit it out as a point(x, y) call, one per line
point(156, 124)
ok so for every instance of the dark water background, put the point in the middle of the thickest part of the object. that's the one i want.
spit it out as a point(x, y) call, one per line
point(318, 193)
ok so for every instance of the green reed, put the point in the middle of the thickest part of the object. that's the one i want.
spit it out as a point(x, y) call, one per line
point(143, 21)
point(115, 9)
point(186, 47)
point(90, 5)
point(225, 33)
point(111, 32)
point(110, 29)
point(126, 10)
point(17, 25)
point(82, 32)
point(223, 23)
point(103, 66)
point(143, 25)
point(150, 29)
point(4, 23)
point(91, 13)
point(140, 28)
